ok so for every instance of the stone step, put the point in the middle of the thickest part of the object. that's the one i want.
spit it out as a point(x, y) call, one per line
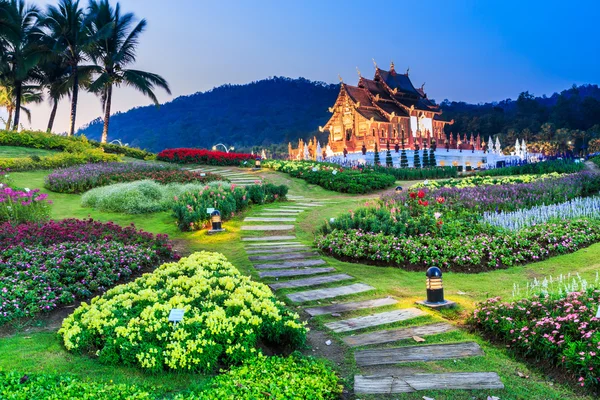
point(328, 293)
point(294, 272)
point(269, 219)
point(291, 264)
point(278, 257)
point(268, 238)
point(433, 352)
point(394, 335)
point(275, 244)
point(418, 382)
point(287, 249)
point(293, 208)
point(318, 280)
point(272, 214)
point(267, 227)
point(344, 307)
point(368, 321)
point(310, 204)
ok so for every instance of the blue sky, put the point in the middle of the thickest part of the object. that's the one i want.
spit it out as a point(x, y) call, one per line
point(474, 51)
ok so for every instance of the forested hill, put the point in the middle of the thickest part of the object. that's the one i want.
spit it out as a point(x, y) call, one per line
point(280, 110)
point(275, 110)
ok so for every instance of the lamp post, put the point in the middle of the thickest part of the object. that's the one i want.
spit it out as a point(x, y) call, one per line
point(398, 189)
point(215, 220)
point(257, 163)
point(227, 149)
point(435, 290)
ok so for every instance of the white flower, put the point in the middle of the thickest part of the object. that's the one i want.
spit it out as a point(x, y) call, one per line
point(1, 185)
point(315, 169)
point(437, 215)
point(334, 172)
point(27, 190)
point(426, 182)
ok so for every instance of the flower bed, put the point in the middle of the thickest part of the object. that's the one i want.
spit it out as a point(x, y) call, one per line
point(544, 167)
point(36, 279)
point(473, 181)
point(60, 160)
point(19, 386)
point(203, 156)
point(293, 377)
point(333, 177)
point(226, 316)
point(560, 330)
point(18, 206)
point(190, 208)
point(476, 253)
point(82, 178)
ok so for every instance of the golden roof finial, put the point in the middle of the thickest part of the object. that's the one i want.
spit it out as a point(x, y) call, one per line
point(392, 65)
point(340, 78)
point(358, 70)
point(423, 86)
point(407, 69)
point(374, 63)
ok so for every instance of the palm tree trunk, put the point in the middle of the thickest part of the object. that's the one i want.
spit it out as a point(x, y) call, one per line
point(10, 115)
point(74, 100)
point(18, 91)
point(52, 116)
point(107, 113)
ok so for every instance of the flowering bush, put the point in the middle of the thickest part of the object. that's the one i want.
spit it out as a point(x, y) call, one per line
point(39, 278)
point(88, 231)
point(333, 177)
point(22, 206)
point(588, 207)
point(476, 253)
point(190, 208)
point(19, 386)
point(203, 156)
point(562, 330)
point(82, 178)
point(473, 181)
point(544, 167)
point(226, 316)
point(293, 377)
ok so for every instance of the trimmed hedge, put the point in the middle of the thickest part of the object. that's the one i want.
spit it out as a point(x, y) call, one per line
point(60, 160)
point(203, 156)
point(544, 167)
point(411, 174)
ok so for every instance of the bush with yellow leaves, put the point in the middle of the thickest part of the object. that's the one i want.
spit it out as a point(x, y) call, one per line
point(227, 316)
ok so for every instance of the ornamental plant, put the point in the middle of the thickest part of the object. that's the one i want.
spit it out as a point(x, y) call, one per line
point(203, 156)
point(226, 316)
point(18, 206)
point(560, 330)
point(544, 167)
point(473, 181)
point(35, 278)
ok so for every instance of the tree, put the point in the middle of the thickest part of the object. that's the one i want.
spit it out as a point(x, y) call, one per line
point(432, 160)
point(55, 76)
point(417, 159)
point(425, 156)
point(388, 159)
point(376, 159)
point(20, 51)
point(29, 94)
point(114, 53)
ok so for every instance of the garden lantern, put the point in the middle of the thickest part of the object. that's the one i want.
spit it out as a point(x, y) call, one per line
point(257, 163)
point(435, 290)
point(215, 220)
point(398, 189)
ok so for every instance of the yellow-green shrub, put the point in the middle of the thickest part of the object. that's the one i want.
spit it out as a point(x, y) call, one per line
point(227, 315)
point(59, 160)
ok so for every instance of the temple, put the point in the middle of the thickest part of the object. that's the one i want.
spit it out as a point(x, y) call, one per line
point(382, 113)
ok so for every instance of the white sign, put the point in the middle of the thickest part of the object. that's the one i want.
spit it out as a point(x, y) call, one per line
point(210, 210)
point(176, 315)
point(598, 312)
point(202, 174)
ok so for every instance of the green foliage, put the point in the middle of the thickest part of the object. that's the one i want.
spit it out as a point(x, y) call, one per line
point(596, 160)
point(19, 386)
point(411, 174)
point(293, 377)
point(226, 315)
point(432, 160)
point(376, 159)
point(403, 159)
point(425, 158)
point(544, 167)
point(388, 159)
point(132, 152)
point(60, 160)
point(417, 160)
point(18, 206)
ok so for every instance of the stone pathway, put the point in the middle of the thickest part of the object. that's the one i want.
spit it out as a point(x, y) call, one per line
point(288, 264)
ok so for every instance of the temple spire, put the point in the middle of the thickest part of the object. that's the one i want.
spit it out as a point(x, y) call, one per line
point(407, 70)
point(358, 71)
point(392, 66)
point(374, 63)
point(340, 78)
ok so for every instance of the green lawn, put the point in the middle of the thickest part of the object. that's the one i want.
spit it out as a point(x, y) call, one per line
point(36, 352)
point(18, 152)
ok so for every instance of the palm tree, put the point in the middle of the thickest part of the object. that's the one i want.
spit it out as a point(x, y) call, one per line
point(29, 94)
point(114, 53)
point(20, 52)
point(67, 30)
point(55, 77)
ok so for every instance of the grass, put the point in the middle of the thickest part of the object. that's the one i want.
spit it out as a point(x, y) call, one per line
point(19, 152)
point(37, 352)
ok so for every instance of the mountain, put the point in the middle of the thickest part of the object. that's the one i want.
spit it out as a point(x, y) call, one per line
point(271, 111)
point(281, 110)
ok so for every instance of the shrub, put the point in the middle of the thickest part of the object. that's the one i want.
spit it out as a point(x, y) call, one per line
point(88, 231)
point(82, 178)
point(19, 386)
point(37, 279)
point(411, 174)
point(544, 167)
point(23, 206)
point(190, 208)
point(293, 377)
point(60, 160)
point(138, 197)
point(561, 330)
point(226, 316)
point(132, 152)
point(473, 181)
point(203, 156)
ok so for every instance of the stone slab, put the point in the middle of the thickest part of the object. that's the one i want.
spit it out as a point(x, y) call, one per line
point(294, 272)
point(378, 384)
point(291, 264)
point(281, 257)
point(272, 214)
point(275, 244)
point(267, 227)
point(432, 352)
point(368, 321)
point(393, 335)
point(295, 208)
point(317, 280)
point(310, 204)
point(268, 238)
point(328, 293)
point(284, 210)
point(345, 307)
point(272, 249)
point(269, 219)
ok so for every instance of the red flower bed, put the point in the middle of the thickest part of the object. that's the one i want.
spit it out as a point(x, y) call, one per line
point(203, 156)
